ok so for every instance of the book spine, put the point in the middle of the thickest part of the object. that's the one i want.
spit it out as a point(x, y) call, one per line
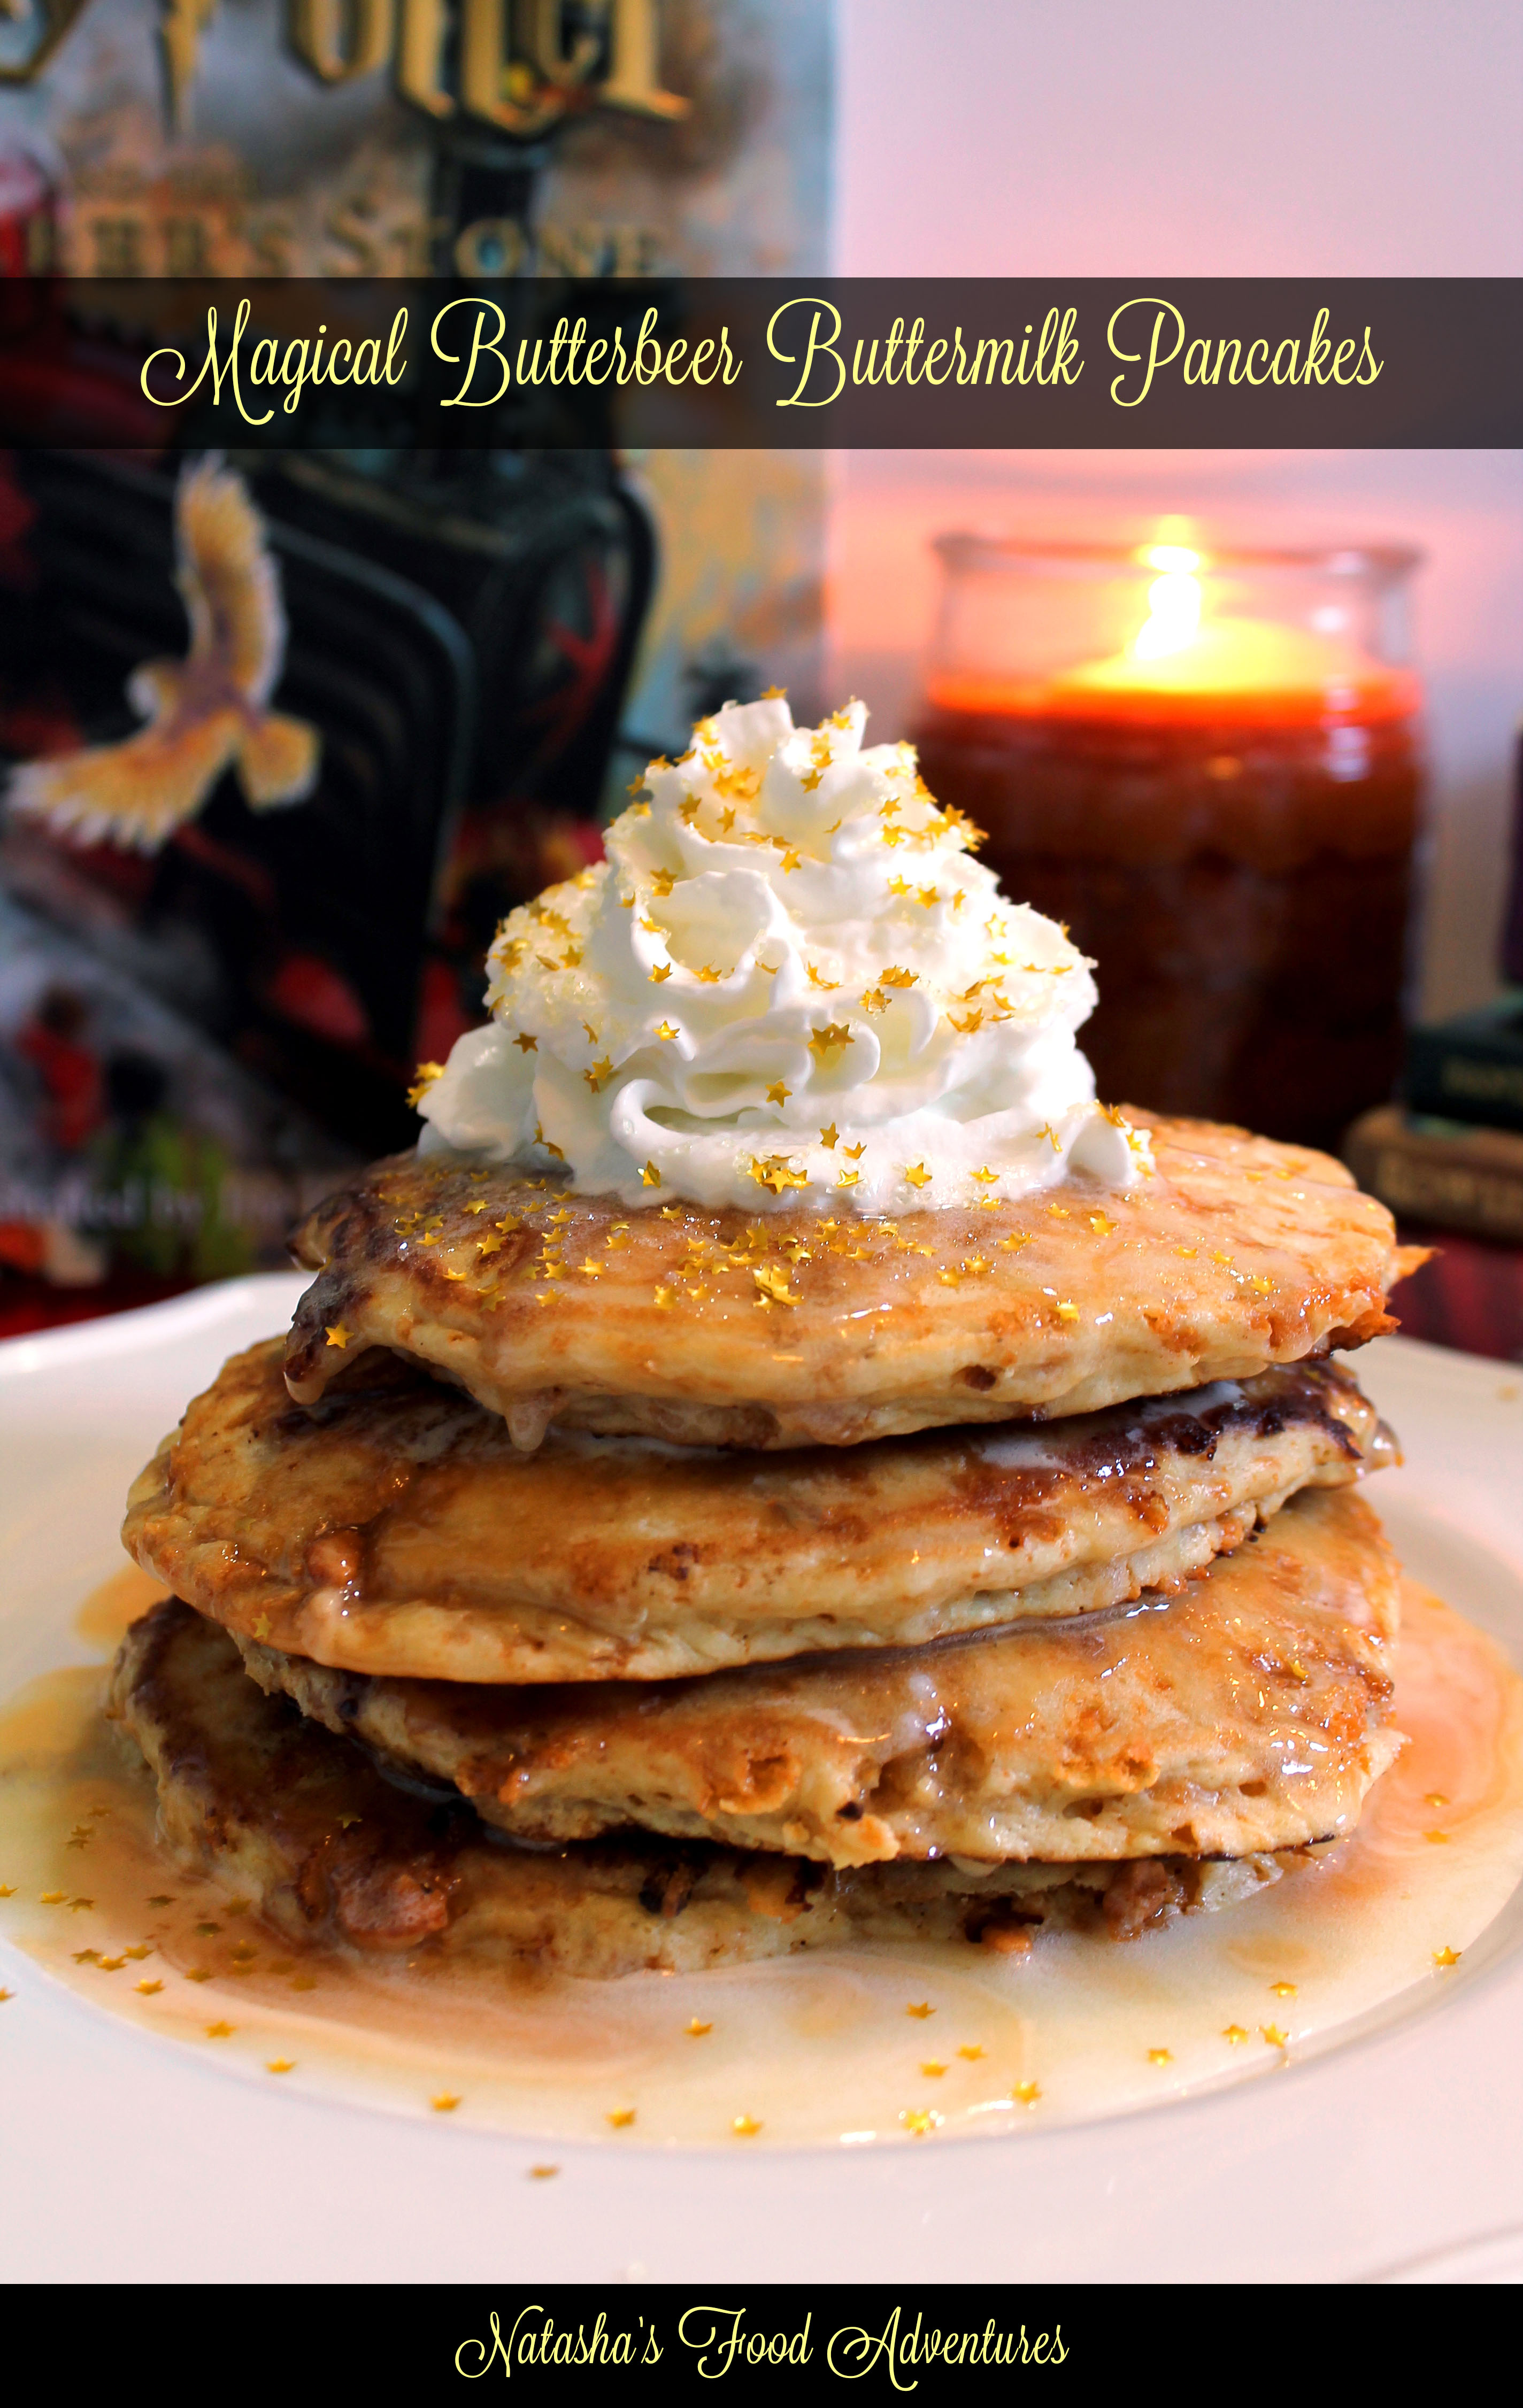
point(1423, 1178)
point(1463, 1078)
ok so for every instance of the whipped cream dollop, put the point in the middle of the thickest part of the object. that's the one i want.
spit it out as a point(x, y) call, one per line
point(789, 981)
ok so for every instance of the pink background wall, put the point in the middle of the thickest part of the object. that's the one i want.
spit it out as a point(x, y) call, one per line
point(1375, 137)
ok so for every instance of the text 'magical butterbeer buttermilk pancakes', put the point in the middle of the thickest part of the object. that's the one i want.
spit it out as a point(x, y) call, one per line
point(779, 1464)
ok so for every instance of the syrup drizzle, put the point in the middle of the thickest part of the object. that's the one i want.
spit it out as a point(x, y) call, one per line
point(874, 2043)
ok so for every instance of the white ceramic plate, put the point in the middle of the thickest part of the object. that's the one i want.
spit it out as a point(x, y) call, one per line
point(1398, 2151)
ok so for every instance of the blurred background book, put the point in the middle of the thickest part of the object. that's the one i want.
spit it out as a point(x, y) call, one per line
point(208, 1007)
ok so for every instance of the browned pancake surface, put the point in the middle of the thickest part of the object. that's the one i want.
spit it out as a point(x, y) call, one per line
point(797, 1328)
point(1250, 1713)
point(301, 1824)
point(394, 1528)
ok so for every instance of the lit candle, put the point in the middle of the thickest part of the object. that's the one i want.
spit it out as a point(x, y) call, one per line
point(1222, 803)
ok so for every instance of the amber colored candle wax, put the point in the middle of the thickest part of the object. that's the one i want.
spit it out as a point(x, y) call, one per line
point(1225, 812)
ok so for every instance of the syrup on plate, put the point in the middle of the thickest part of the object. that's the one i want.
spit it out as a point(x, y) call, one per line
point(855, 2046)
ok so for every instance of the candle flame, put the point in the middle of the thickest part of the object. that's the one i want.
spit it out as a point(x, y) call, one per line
point(1173, 602)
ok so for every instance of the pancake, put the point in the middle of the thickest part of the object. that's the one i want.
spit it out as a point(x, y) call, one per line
point(1250, 1713)
point(793, 1329)
point(302, 1825)
point(394, 1528)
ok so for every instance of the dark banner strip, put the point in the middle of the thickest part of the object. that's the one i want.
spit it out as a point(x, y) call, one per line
point(736, 363)
point(638, 2339)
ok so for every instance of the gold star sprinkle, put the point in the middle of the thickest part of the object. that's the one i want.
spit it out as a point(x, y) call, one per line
point(1235, 2033)
point(661, 973)
point(426, 1074)
point(827, 1136)
point(86, 1955)
point(149, 1989)
point(620, 2116)
point(924, 2010)
point(1272, 2034)
point(543, 2173)
point(137, 1955)
point(1437, 1838)
point(917, 1175)
point(778, 1093)
point(1066, 1310)
point(280, 2065)
point(696, 2031)
point(525, 1043)
point(54, 1897)
point(971, 2051)
point(772, 1282)
point(7, 1889)
point(198, 1973)
point(1025, 2093)
point(219, 2032)
point(1447, 1956)
point(81, 1905)
point(919, 2120)
point(446, 2103)
point(338, 1336)
point(649, 1176)
point(5, 1996)
point(1282, 1990)
point(745, 2126)
point(207, 1930)
point(1188, 1251)
point(931, 2068)
point(1436, 1797)
point(1161, 2056)
point(1102, 1226)
point(832, 1038)
point(600, 1075)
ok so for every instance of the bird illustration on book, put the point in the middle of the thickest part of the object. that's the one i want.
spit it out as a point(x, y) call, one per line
point(205, 713)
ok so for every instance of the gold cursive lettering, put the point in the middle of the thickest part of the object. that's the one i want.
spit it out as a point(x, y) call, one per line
point(1156, 360)
point(826, 350)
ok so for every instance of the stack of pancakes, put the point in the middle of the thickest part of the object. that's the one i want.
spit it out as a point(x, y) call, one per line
point(619, 1588)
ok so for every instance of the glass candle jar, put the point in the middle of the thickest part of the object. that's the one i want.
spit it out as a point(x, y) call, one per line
point(1207, 763)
